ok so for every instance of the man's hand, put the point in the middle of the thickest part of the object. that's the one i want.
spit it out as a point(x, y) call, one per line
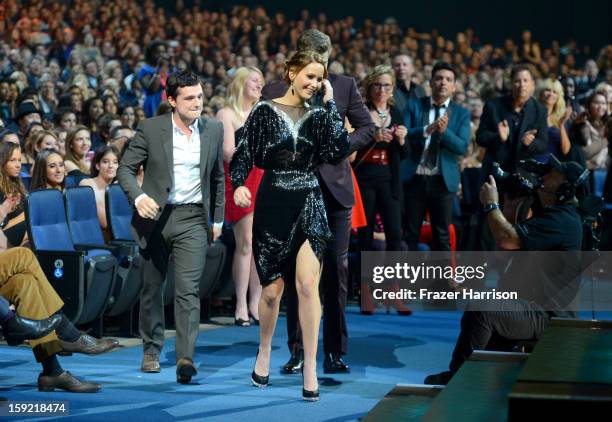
point(488, 192)
point(529, 136)
point(242, 197)
point(432, 127)
point(504, 130)
point(443, 124)
point(147, 208)
point(216, 231)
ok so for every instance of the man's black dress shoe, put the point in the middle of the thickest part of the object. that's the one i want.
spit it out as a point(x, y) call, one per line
point(65, 381)
point(333, 364)
point(18, 328)
point(438, 379)
point(294, 364)
point(185, 370)
point(89, 345)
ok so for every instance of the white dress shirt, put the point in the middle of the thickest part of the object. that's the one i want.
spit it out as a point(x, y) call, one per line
point(186, 183)
point(422, 169)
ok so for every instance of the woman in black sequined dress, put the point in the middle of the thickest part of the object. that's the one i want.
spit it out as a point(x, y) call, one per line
point(289, 140)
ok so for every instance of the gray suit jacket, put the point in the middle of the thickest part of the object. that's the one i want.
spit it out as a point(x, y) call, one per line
point(152, 147)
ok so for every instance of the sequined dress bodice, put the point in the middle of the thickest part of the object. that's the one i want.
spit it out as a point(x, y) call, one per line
point(288, 143)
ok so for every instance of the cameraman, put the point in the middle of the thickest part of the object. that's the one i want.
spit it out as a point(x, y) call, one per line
point(556, 226)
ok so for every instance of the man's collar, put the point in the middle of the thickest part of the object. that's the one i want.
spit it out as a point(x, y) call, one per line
point(193, 127)
point(444, 104)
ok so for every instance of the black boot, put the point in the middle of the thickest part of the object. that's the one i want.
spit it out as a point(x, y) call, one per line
point(18, 328)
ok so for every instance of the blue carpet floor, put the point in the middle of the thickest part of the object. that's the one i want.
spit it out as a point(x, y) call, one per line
point(384, 350)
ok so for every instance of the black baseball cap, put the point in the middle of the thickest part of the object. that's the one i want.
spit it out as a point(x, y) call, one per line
point(574, 173)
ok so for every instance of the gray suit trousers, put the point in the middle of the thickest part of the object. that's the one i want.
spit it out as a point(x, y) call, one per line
point(185, 234)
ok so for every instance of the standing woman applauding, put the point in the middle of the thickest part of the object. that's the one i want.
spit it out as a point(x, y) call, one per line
point(377, 165)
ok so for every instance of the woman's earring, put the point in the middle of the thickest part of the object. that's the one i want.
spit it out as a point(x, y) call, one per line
point(292, 91)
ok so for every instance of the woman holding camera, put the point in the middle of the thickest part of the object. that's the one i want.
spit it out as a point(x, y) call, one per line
point(377, 165)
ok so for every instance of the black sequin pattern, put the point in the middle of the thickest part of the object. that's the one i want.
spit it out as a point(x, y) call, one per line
point(289, 209)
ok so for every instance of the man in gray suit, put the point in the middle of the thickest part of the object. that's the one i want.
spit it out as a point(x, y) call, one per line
point(182, 156)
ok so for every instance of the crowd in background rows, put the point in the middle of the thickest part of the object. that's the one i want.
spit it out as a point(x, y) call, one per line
point(79, 77)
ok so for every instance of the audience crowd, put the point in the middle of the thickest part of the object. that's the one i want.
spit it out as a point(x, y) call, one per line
point(78, 77)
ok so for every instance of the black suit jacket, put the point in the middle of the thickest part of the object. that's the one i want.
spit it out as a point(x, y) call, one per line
point(338, 177)
point(509, 153)
point(152, 147)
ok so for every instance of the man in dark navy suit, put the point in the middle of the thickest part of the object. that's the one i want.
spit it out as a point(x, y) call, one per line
point(438, 136)
point(337, 186)
point(512, 128)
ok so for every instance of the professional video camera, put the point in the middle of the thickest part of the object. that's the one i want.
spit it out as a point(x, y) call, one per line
point(525, 182)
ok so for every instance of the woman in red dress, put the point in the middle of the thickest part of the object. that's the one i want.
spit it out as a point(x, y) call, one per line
point(243, 92)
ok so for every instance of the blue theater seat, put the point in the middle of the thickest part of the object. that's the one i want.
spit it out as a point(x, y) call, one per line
point(83, 278)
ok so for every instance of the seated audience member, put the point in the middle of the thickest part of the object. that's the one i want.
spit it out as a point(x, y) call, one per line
point(61, 134)
point(66, 118)
point(23, 283)
point(78, 143)
point(49, 171)
point(103, 172)
point(27, 155)
point(120, 136)
point(128, 117)
point(105, 124)
point(8, 135)
point(16, 329)
point(12, 195)
point(25, 115)
point(45, 139)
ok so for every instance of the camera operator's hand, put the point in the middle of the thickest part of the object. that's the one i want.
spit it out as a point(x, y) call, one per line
point(504, 130)
point(488, 192)
point(529, 136)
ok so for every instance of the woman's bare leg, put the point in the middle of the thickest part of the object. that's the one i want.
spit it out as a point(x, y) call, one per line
point(241, 265)
point(307, 274)
point(268, 315)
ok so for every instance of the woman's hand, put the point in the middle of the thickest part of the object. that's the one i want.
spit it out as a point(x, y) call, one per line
point(383, 135)
point(329, 91)
point(400, 134)
point(242, 197)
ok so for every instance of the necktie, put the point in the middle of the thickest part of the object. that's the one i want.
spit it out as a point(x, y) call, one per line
point(431, 158)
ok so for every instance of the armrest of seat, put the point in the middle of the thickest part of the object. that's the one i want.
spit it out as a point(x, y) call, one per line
point(126, 248)
point(43, 252)
point(87, 247)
